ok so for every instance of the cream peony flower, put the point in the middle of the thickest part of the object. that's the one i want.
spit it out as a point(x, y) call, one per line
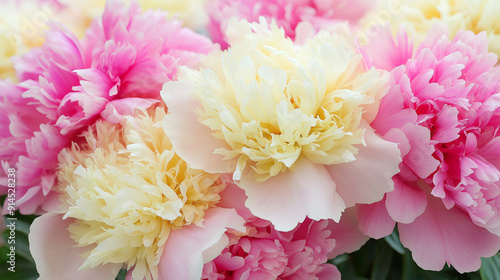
point(269, 111)
point(127, 190)
point(418, 17)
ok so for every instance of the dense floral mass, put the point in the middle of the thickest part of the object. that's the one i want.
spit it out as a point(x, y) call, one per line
point(418, 18)
point(69, 83)
point(265, 253)
point(126, 191)
point(260, 139)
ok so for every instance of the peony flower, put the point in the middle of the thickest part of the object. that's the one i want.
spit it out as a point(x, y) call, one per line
point(293, 16)
point(265, 253)
point(418, 17)
point(442, 108)
point(128, 199)
point(69, 84)
point(289, 122)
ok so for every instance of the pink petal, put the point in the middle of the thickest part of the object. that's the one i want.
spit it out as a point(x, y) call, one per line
point(446, 125)
point(406, 202)
point(440, 236)
point(189, 248)
point(369, 177)
point(329, 272)
point(234, 197)
point(192, 140)
point(374, 220)
point(117, 109)
point(57, 256)
point(287, 198)
point(420, 157)
point(392, 112)
point(348, 237)
point(383, 52)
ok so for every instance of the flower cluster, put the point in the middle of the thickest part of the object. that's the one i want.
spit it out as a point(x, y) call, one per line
point(68, 84)
point(150, 152)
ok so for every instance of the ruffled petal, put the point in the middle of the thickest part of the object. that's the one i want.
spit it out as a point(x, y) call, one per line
point(440, 236)
point(57, 256)
point(369, 177)
point(406, 202)
point(187, 249)
point(287, 198)
point(374, 220)
point(348, 237)
point(185, 131)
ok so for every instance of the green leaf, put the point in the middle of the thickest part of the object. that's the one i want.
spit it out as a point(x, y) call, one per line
point(339, 259)
point(382, 262)
point(23, 226)
point(409, 267)
point(393, 241)
point(121, 275)
point(490, 268)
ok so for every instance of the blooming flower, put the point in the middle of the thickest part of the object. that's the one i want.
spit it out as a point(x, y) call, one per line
point(288, 14)
point(442, 108)
point(68, 84)
point(129, 199)
point(418, 17)
point(265, 253)
point(289, 122)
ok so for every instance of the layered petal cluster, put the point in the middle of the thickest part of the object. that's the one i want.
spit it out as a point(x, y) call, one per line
point(418, 17)
point(129, 199)
point(443, 110)
point(288, 14)
point(265, 253)
point(289, 122)
point(69, 83)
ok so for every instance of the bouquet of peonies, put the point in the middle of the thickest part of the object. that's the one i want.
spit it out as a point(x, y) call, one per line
point(250, 139)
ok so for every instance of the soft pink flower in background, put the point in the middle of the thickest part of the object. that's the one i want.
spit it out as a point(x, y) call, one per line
point(443, 110)
point(68, 84)
point(288, 14)
point(265, 253)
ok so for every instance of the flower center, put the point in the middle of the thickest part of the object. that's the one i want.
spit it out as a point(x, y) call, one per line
point(279, 102)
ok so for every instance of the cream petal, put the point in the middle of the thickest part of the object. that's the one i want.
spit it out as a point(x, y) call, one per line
point(192, 140)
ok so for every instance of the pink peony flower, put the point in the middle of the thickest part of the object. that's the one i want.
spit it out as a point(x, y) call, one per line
point(288, 14)
point(69, 83)
point(265, 253)
point(443, 110)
